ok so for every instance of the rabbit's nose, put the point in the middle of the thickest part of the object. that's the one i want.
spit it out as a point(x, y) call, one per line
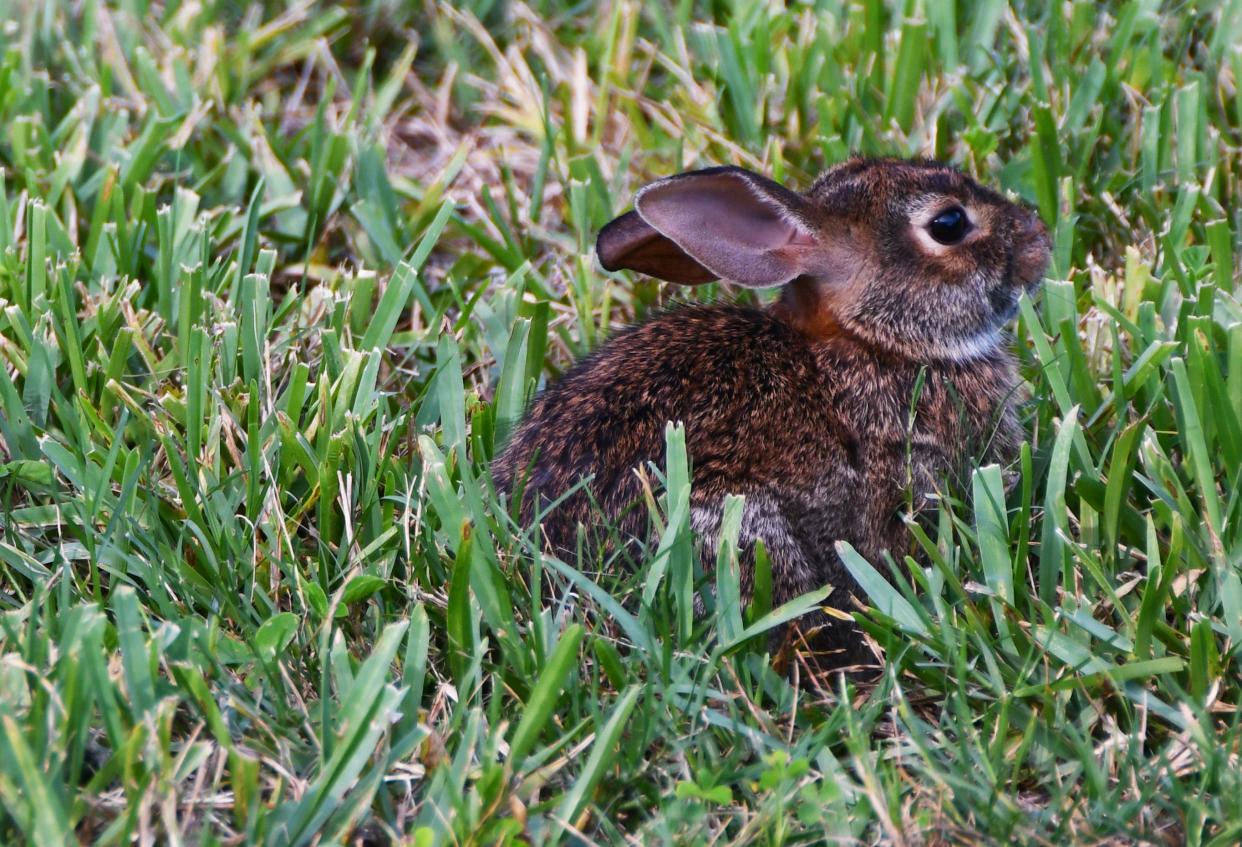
point(1035, 231)
point(1034, 249)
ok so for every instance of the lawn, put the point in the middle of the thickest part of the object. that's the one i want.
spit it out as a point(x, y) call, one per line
point(277, 281)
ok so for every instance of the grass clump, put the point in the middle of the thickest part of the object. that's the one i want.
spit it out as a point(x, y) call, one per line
point(276, 281)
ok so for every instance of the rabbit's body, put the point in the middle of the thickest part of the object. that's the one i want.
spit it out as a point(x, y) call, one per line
point(847, 421)
point(880, 373)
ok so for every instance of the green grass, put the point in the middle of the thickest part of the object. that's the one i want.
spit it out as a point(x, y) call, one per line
point(276, 282)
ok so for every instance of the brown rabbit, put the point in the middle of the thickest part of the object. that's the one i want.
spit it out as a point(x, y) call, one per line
point(809, 408)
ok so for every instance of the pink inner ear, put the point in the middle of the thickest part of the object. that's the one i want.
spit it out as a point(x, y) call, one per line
point(740, 226)
point(716, 208)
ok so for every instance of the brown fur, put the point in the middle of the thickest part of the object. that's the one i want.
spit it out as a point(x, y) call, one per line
point(807, 408)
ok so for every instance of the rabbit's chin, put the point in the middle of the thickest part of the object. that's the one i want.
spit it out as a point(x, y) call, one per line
point(1008, 312)
point(1004, 303)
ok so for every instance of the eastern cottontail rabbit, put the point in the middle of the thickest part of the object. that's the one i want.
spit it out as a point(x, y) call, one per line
point(880, 371)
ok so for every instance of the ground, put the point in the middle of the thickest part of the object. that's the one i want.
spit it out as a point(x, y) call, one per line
point(276, 281)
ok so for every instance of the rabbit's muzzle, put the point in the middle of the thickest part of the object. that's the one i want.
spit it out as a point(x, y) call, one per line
point(1032, 250)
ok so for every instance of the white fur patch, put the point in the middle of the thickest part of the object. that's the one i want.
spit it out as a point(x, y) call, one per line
point(761, 518)
point(972, 347)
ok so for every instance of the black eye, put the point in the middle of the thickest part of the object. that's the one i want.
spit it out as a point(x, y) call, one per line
point(950, 226)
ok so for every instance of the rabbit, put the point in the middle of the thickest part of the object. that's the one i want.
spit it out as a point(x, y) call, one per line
point(881, 371)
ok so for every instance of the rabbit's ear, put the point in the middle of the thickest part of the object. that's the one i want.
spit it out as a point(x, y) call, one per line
point(736, 224)
point(631, 243)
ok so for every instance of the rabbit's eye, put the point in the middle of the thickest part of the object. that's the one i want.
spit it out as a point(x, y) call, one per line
point(950, 226)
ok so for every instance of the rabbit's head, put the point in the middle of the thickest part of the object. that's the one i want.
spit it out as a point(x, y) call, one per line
point(909, 256)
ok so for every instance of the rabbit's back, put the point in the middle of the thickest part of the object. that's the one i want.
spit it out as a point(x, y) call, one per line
point(747, 387)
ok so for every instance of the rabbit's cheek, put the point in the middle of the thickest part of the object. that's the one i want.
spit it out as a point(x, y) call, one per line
point(957, 268)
